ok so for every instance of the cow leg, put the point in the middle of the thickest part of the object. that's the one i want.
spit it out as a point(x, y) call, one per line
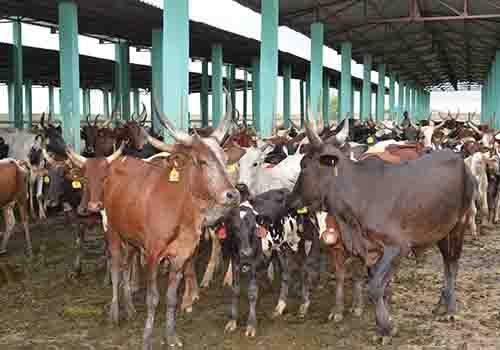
point(127, 290)
point(253, 294)
point(77, 266)
point(114, 246)
point(472, 219)
point(309, 273)
point(191, 291)
point(152, 300)
point(8, 216)
point(235, 299)
point(23, 212)
point(171, 337)
point(338, 257)
point(376, 287)
point(357, 287)
point(32, 180)
point(285, 278)
point(135, 279)
point(228, 276)
point(107, 274)
point(497, 206)
point(451, 250)
point(39, 197)
point(484, 208)
point(215, 256)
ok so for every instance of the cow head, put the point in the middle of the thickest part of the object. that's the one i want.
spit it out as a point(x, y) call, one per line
point(319, 162)
point(131, 131)
point(52, 136)
point(57, 185)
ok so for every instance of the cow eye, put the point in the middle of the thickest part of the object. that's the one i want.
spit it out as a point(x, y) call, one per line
point(255, 164)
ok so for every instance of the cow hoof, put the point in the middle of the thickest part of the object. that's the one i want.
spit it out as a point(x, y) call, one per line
point(130, 311)
point(173, 342)
point(204, 284)
point(447, 318)
point(357, 311)
point(383, 340)
point(440, 309)
point(114, 314)
point(250, 332)
point(278, 311)
point(230, 326)
point(304, 308)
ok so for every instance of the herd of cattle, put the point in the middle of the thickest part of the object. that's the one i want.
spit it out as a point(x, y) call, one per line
point(374, 191)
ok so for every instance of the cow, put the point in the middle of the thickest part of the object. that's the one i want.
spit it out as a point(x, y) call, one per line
point(160, 210)
point(13, 179)
point(493, 174)
point(476, 163)
point(259, 231)
point(379, 217)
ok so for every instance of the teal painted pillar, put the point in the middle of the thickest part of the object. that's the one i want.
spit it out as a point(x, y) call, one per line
point(367, 88)
point(346, 80)
point(51, 100)
point(483, 100)
point(360, 103)
point(287, 78)
point(326, 100)
point(105, 102)
point(70, 72)
point(497, 89)
point(407, 104)
point(17, 74)
point(28, 103)
point(205, 87)
point(392, 95)
point(401, 98)
point(176, 61)
point(157, 78)
point(414, 103)
point(352, 101)
point(255, 92)
point(10, 94)
point(217, 84)
point(308, 94)
point(302, 104)
point(381, 92)
point(268, 65)
point(137, 101)
point(86, 102)
point(233, 89)
point(245, 96)
point(316, 66)
point(122, 58)
point(339, 100)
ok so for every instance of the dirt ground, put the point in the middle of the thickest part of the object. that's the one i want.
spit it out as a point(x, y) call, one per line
point(42, 308)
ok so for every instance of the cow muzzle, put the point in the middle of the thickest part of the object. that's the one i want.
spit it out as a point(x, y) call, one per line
point(230, 198)
point(95, 207)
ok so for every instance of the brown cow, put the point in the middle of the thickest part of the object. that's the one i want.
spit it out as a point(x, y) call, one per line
point(160, 210)
point(13, 190)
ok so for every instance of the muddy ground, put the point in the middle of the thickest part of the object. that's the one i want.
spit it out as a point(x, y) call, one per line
point(42, 308)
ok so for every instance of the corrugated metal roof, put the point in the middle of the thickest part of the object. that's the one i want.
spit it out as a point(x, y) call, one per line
point(435, 45)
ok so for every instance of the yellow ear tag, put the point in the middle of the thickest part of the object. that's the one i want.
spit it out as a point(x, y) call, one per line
point(303, 210)
point(174, 175)
point(369, 140)
point(231, 168)
point(46, 179)
point(335, 172)
point(76, 185)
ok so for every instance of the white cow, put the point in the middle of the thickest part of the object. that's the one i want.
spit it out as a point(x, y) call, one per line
point(477, 165)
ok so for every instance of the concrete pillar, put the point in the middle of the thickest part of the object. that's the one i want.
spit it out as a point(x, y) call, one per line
point(367, 88)
point(245, 95)
point(316, 67)
point(401, 98)
point(157, 78)
point(205, 87)
point(105, 103)
point(346, 80)
point(392, 94)
point(137, 101)
point(407, 105)
point(268, 65)
point(70, 72)
point(326, 100)
point(176, 61)
point(217, 84)
point(308, 94)
point(51, 100)
point(122, 58)
point(381, 92)
point(86, 102)
point(414, 103)
point(302, 104)
point(28, 103)
point(497, 89)
point(287, 78)
point(17, 74)
point(10, 93)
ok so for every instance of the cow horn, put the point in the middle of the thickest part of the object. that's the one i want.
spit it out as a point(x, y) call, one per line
point(116, 154)
point(107, 123)
point(76, 158)
point(312, 134)
point(96, 120)
point(294, 125)
point(475, 129)
point(88, 119)
point(341, 137)
point(178, 135)
point(164, 147)
point(132, 117)
point(224, 124)
point(143, 116)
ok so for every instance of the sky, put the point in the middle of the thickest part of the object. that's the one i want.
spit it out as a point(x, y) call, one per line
point(230, 19)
